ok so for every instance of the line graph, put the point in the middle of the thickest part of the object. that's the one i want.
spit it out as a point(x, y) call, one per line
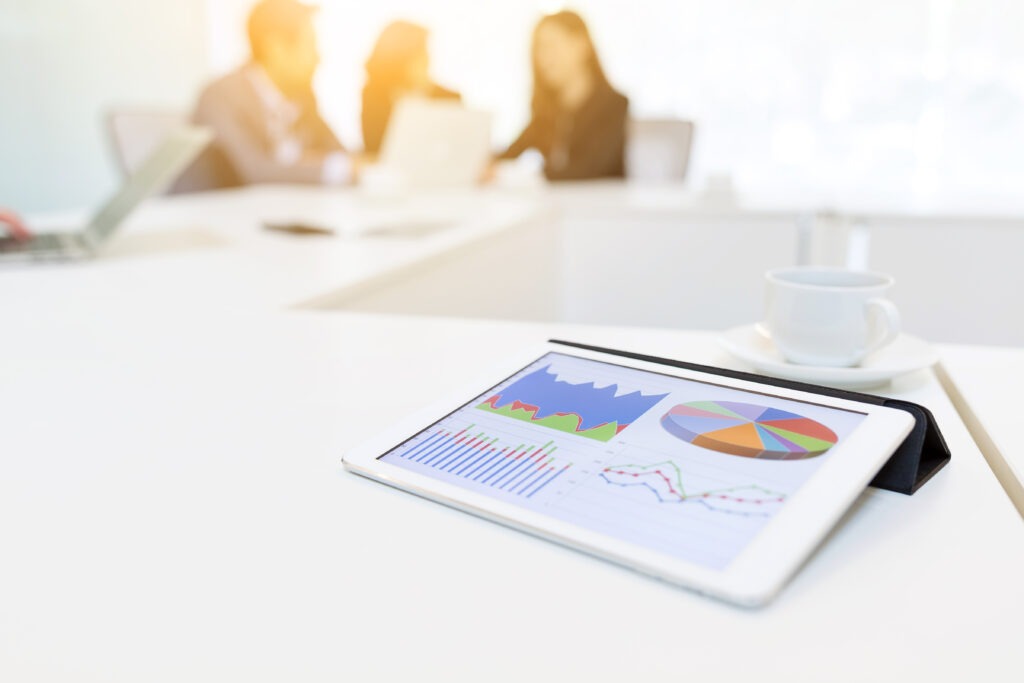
point(523, 470)
point(665, 481)
point(582, 409)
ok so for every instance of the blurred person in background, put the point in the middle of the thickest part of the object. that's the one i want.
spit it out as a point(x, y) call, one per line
point(399, 66)
point(264, 115)
point(578, 121)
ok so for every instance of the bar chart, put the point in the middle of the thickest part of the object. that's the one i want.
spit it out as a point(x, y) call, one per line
point(521, 470)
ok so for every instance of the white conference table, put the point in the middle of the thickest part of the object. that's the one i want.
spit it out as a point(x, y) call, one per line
point(217, 239)
point(603, 246)
point(172, 507)
point(173, 510)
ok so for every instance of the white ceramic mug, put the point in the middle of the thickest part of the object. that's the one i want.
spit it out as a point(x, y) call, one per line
point(829, 316)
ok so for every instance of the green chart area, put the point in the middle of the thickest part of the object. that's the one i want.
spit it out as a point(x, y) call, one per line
point(564, 423)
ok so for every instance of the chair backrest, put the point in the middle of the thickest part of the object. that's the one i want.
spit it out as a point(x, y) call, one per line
point(136, 133)
point(658, 149)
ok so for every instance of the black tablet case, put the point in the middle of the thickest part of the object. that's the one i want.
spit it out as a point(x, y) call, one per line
point(922, 454)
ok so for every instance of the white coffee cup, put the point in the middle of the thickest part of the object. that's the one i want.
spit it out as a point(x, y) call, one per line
point(829, 316)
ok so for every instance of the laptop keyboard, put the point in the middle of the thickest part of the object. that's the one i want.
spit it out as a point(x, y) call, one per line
point(9, 245)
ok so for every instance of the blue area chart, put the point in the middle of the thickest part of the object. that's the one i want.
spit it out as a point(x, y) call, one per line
point(585, 409)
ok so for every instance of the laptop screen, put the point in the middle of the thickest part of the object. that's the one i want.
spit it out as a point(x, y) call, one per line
point(173, 155)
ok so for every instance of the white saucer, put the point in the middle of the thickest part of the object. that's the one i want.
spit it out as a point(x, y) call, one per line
point(752, 345)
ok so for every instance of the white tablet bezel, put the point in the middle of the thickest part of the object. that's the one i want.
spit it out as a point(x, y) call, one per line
point(756, 574)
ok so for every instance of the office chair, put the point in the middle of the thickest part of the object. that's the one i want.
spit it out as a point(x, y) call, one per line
point(658, 150)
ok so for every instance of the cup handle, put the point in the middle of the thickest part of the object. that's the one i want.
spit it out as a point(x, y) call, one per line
point(885, 325)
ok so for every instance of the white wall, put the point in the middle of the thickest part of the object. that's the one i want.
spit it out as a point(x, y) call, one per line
point(63, 63)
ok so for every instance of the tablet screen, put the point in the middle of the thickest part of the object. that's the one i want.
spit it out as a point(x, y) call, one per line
point(691, 469)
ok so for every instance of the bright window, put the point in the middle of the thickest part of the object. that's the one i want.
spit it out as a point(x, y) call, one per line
point(889, 99)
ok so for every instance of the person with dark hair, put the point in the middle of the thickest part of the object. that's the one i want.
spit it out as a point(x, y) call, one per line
point(399, 66)
point(578, 121)
point(264, 115)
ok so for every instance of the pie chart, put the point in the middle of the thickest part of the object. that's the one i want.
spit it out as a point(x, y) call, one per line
point(748, 430)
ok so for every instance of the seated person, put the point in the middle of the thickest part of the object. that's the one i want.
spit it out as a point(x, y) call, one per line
point(264, 115)
point(398, 67)
point(578, 121)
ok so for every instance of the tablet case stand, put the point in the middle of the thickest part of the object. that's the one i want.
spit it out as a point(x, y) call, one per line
point(919, 457)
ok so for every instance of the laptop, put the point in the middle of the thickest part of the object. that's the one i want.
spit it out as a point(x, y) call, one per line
point(173, 155)
point(435, 144)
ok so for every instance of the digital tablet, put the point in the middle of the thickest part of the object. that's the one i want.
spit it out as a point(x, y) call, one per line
point(720, 485)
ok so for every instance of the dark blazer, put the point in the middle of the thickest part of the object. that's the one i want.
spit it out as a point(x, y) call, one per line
point(242, 151)
point(593, 139)
point(377, 105)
